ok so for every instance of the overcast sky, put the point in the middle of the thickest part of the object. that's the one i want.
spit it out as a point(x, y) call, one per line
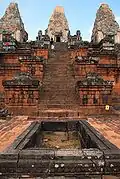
point(80, 14)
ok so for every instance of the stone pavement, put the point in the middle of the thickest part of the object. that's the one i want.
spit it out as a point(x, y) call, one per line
point(108, 126)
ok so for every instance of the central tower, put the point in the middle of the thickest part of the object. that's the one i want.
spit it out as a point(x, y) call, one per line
point(58, 28)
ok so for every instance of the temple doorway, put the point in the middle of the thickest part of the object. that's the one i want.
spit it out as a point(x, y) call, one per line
point(57, 38)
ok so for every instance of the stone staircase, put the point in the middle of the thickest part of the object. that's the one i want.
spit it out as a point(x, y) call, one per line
point(59, 85)
point(61, 46)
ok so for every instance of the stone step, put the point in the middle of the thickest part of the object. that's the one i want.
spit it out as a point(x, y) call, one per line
point(65, 100)
point(58, 76)
point(57, 101)
point(55, 75)
point(56, 82)
point(58, 87)
point(59, 69)
point(52, 113)
point(58, 62)
point(56, 71)
point(58, 94)
point(58, 91)
point(58, 106)
point(59, 81)
point(63, 86)
point(57, 97)
point(57, 65)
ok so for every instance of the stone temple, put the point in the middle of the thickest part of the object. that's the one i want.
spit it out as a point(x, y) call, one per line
point(59, 108)
point(58, 28)
point(12, 22)
point(105, 24)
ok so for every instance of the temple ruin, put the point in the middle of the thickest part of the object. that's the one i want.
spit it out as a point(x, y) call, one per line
point(105, 24)
point(11, 22)
point(58, 25)
point(59, 108)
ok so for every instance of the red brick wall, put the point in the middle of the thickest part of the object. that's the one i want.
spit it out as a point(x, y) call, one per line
point(41, 52)
point(7, 74)
point(23, 110)
point(11, 58)
point(91, 92)
point(78, 52)
point(107, 60)
point(81, 70)
point(38, 67)
point(12, 95)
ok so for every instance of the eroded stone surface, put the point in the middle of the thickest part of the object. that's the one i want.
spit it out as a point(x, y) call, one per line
point(12, 22)
point(10, 130)
point(108, 126)
point(105, 24)
point(58, 25)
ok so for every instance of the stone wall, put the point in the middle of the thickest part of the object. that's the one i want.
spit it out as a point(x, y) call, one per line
point(78, 52)
point(21, 96)
point(96, 92)
point(41, 52)
point(36, 69)
point(81, 70)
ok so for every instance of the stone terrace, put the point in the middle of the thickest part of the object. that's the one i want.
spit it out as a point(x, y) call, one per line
point(108, 126)
point(59, 97)
point(10, 130)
